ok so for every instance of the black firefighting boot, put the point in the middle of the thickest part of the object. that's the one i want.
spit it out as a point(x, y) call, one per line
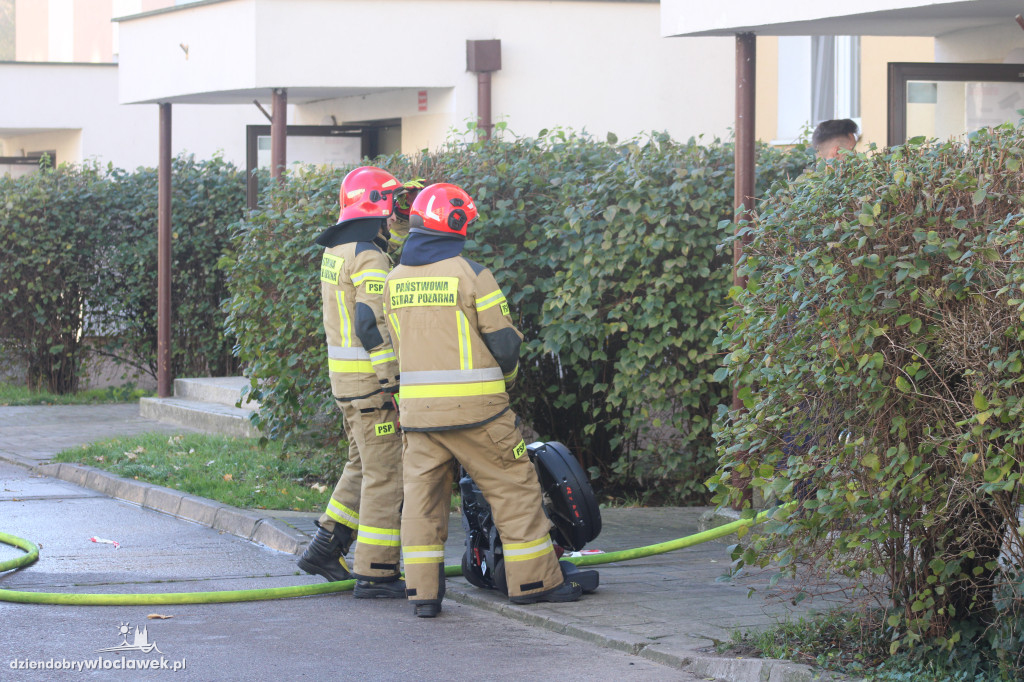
point(567, 591)
point(393, 588)
point(430, 609)
point(325, 555)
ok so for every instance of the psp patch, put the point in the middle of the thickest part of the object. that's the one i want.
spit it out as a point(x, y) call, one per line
point(388, 428)
point(374, 287)
point(519, 450)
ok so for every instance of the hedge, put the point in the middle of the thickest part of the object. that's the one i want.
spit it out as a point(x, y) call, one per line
point(879, 344)
point(608, 255)
point(79, 245)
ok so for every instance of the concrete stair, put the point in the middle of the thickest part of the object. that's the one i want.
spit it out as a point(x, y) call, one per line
point(205, 404)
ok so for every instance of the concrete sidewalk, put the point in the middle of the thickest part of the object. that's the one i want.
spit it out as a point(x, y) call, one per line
point(669, 608)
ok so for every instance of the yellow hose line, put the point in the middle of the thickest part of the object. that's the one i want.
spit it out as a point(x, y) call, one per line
point(32, 554)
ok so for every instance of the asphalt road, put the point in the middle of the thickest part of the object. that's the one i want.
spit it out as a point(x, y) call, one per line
point(332, 637)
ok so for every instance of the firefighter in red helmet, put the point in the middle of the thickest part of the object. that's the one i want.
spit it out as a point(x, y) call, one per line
point(459, 353)
point(363, 369)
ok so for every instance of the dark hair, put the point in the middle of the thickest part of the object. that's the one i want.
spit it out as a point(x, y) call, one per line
point(828, 130)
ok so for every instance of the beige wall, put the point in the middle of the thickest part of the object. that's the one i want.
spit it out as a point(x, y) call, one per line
point(93, 31)
point(31, 31)
point(875, 54)
point(766, 113)
point(71, 30)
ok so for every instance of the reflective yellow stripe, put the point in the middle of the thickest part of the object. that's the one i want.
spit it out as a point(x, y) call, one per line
point(451, 376)
point(342, 514)
point(379, 357)
point(524, 551)
point(489, 301)
point(394, 323)
point(423, 554)
point(511, 375)
point(452, 390)
point(345, 326)
point(382, 537)
point(347, 352)
point(465, 342)
point(350, 366)
point(358, 278)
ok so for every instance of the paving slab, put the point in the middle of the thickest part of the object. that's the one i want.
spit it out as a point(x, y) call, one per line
point(670, 609)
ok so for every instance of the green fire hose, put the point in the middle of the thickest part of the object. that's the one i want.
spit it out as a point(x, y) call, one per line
point(32, 554)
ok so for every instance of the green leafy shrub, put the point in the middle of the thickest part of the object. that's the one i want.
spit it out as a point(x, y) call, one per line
point(607, 254)
point(80, 249)
point(52, 224)
point(208, 197)
point(879, 346)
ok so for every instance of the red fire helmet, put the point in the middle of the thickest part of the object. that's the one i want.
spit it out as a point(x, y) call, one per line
point(443, 209)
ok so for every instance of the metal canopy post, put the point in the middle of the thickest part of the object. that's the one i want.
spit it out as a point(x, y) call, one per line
point(163, 267)
point(744, 162)
point(278, 133)
point(743, 159)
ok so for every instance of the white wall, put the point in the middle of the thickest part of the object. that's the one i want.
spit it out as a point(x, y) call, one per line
point(595, 65)
point(989, 44)
point(74, 109)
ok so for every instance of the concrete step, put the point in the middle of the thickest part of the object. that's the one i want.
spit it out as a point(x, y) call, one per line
point(221, 390)
point(201, 415)
point(205, 404)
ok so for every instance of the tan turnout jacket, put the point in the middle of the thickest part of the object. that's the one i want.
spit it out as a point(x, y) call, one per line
point(360, 356)
point(458, 348)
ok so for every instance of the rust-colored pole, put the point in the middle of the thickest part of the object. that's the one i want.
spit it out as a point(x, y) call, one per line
point(163, 264)
point(483, 104)
point(743, 159)
point(744, 162)
point(278, 132)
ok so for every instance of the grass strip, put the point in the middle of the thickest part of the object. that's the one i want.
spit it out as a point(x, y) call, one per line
point(12, 395)
point(234, 471)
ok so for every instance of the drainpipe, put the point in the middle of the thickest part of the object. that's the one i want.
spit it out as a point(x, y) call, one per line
point(278, 132)
point(482, 58)
point(163, 266)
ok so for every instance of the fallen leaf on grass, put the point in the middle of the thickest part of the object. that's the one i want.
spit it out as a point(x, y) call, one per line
point(228, 477)
point(131, 455)
point(159, 616)
point(100, 458)
point(319, 487)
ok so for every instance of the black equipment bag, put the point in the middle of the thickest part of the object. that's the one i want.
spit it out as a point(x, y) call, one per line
point(568, 501)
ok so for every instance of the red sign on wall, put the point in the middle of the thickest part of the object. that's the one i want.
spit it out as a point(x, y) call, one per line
point(422, 100)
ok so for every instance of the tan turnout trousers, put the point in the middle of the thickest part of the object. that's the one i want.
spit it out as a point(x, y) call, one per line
point(368, 496)
point(494, 454)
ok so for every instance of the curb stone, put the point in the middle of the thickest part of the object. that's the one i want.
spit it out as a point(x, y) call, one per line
point(280, 536)
point(242, 523)
point(709, 667)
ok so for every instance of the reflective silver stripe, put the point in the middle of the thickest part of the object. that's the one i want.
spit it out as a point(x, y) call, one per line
point(451, 376)
point(347, 353)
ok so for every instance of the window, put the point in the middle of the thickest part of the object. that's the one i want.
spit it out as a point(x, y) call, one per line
point(946, 100)
point(819, 80)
